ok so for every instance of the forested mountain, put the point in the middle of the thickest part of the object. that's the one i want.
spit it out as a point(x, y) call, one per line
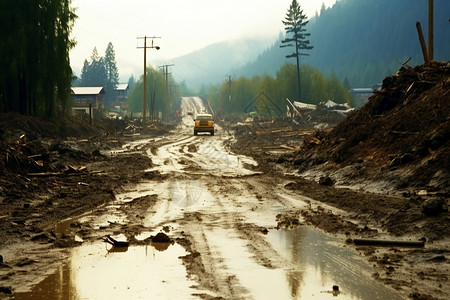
point(363, 40)
point(213, 63)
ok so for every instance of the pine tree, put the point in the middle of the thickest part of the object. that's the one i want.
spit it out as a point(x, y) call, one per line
point(94, 72)
point(35, 76)
point(112, 72)
point(295, 28)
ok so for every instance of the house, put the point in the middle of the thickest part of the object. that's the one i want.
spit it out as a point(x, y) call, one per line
point(361, 95)
point(120, 101)
point(84, 97)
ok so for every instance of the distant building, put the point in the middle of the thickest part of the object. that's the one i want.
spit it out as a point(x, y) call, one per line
point(83, 97)
point(120, 101)
point(361, 95)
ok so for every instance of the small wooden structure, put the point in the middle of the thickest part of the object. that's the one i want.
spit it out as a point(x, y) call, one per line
point(85, 97)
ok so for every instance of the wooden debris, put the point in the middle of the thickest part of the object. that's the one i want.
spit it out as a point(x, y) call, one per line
point(115, 243)
point(374, 242)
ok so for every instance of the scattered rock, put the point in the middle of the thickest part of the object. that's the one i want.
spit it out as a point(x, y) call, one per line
point(326, 181)
point(280, 160)
point(5, 290)
point(161, 237)
point(433, 206)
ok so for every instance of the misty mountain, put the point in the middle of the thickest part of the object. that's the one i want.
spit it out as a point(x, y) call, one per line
point(213, 64)
point(363, 41)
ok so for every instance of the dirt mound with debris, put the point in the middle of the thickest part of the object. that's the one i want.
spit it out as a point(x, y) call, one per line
point(50, 171)
point(401, 135)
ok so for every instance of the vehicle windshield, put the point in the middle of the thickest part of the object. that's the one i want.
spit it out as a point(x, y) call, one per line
point(204, 118)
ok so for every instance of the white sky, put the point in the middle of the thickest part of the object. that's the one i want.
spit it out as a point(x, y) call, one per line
point(183, 25)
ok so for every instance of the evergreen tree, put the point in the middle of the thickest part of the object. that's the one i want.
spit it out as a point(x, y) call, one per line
point(295, 27)
point(131, 82)
point(35, 74)
point(112, 72)
point(94, 73)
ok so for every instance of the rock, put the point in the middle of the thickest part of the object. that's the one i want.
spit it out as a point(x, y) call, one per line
point(326, 181)
point(161, 237)
point(5, 290)
point(299, 161)
point(280, 160)
point(433, 206)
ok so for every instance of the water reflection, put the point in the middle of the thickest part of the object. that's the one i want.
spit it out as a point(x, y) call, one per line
point(98, 271)
point(323, 265)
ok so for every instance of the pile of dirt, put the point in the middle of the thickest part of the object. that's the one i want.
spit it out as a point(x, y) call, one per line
point(50, 171)
point(400, 135)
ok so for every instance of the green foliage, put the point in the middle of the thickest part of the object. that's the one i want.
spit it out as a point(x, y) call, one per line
point(35, 74)
point(101, 71)
point(156, 93)
point(364, 41)
point(316, 88)
point(112, 72)
point(295, 23)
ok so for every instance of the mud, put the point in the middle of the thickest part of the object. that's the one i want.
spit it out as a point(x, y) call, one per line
point(236, 221)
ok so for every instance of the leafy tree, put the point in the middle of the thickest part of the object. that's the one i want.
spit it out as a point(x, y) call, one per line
point(295, 26)
point(156, 93)
point(35, 74)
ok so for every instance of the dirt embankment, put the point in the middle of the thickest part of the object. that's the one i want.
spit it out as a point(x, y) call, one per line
point(399, 142)
point(386, 166)
point(49, 173)
point(402, 135)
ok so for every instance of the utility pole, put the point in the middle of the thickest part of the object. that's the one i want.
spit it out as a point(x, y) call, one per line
point(430, 30)
point(166, 77)
point(229, 94)
point(144, 97)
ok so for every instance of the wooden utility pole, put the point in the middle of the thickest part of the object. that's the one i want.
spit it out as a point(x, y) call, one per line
point(422, 43)
point(229, 94)
point(166, 78)
point(430, 30)
point(144, 96)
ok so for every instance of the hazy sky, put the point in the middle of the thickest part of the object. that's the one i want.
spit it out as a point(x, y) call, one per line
point(183, 25)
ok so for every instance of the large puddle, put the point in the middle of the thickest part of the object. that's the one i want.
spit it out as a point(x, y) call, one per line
point(93, 271)
point(314, 264)
point(321, 262)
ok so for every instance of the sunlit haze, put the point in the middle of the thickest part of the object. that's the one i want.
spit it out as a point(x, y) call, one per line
point(183, 25)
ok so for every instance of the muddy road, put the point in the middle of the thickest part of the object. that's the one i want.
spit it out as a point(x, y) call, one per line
point(203, 223)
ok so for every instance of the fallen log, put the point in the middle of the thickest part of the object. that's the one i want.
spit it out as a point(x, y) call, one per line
point(115, 243)
point(374, 242)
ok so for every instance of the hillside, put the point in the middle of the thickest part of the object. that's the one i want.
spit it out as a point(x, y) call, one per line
point(213, 63)
point(363, 40)
point(399, 140)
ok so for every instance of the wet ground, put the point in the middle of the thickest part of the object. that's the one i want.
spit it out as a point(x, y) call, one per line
point(235, 233)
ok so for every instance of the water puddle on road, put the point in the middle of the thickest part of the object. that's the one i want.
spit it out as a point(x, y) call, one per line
point(320, 263)
point(93, 271)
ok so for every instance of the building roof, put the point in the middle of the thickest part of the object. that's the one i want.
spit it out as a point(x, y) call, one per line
point(122, 87)
point(87, 90)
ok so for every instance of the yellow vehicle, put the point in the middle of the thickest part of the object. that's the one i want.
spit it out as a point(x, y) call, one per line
point(204, 123)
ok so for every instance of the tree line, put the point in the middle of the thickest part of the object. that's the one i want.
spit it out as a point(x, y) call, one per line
point(363, 41)
point(101, 71)
point(316, 88)
point(162, 94)
point(35, 75)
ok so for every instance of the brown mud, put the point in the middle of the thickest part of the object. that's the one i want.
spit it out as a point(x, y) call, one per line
point(50, 174)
